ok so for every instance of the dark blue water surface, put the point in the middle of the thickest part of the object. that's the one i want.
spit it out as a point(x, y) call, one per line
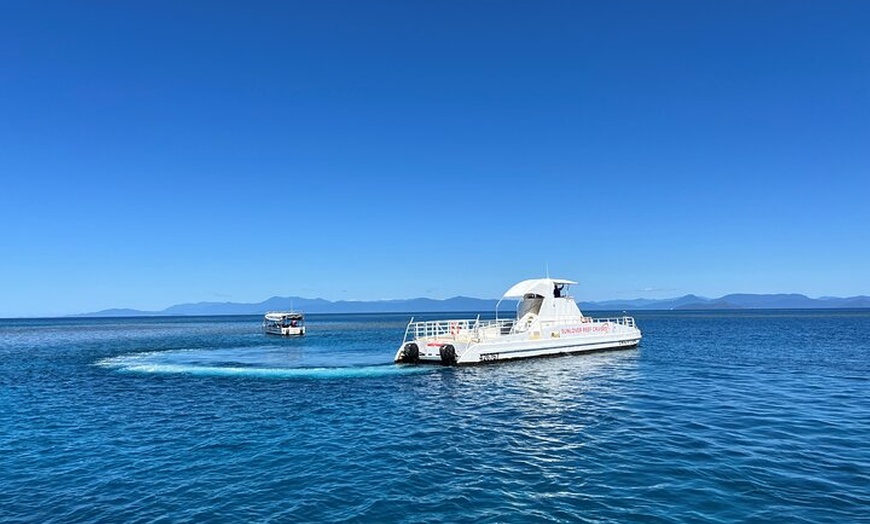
point(717, 417)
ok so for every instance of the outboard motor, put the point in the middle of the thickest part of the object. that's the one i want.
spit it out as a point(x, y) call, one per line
point(448, 355)
point(410, 354)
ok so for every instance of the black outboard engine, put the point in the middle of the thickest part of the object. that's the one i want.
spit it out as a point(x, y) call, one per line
point(448, 355)
point(410, 354)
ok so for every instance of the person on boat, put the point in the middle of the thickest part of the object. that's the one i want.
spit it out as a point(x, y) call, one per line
point(557, 290)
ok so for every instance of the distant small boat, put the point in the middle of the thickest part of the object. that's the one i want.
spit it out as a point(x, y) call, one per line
point(548, 323)
point(286, 323)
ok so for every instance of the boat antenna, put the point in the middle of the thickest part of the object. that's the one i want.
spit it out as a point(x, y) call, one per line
point(547, 266)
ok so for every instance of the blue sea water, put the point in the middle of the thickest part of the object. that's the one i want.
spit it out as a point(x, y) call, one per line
point(716, 417)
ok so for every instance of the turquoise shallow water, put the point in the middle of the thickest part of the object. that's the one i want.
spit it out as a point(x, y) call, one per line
point(717, 417)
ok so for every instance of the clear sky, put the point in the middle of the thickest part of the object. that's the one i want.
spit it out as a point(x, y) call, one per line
point(162, 152)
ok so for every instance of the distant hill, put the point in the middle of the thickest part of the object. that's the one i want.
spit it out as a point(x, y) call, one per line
point(777, 301)
point(459, 304)
point(315, 305)
point(645, 303)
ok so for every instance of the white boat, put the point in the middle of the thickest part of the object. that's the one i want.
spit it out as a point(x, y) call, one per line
point(548, 322)
point(287, 323)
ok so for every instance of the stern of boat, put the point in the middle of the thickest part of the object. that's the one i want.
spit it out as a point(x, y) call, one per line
point(436, 342)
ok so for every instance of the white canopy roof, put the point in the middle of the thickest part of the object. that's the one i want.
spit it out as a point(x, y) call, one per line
point(538, 286)
point(279, 315)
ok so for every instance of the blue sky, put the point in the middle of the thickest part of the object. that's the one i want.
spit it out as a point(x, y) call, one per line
point(155, 153)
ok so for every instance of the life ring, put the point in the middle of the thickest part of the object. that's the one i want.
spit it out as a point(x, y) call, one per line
point(454, 328)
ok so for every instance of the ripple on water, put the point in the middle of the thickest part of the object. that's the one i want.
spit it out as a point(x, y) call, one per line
point(716, 418)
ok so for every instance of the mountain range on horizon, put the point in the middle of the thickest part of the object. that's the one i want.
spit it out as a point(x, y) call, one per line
point(459, 304)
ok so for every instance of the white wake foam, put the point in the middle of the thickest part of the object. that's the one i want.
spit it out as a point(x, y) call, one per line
point(184, 362)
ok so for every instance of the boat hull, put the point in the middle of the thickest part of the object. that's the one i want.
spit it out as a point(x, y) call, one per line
point(284, 331)
point(486, 353)
point(459, 350)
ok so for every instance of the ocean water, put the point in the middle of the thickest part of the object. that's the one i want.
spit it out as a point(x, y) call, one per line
point(716, 417)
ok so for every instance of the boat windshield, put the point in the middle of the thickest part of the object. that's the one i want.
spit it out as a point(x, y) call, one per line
point(531, 304)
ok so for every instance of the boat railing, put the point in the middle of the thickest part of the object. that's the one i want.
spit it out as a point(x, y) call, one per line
point(456, 328)
point(622, 321)
point(480, 330)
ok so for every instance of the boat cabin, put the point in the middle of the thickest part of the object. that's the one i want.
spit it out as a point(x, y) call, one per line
point(543, 300)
